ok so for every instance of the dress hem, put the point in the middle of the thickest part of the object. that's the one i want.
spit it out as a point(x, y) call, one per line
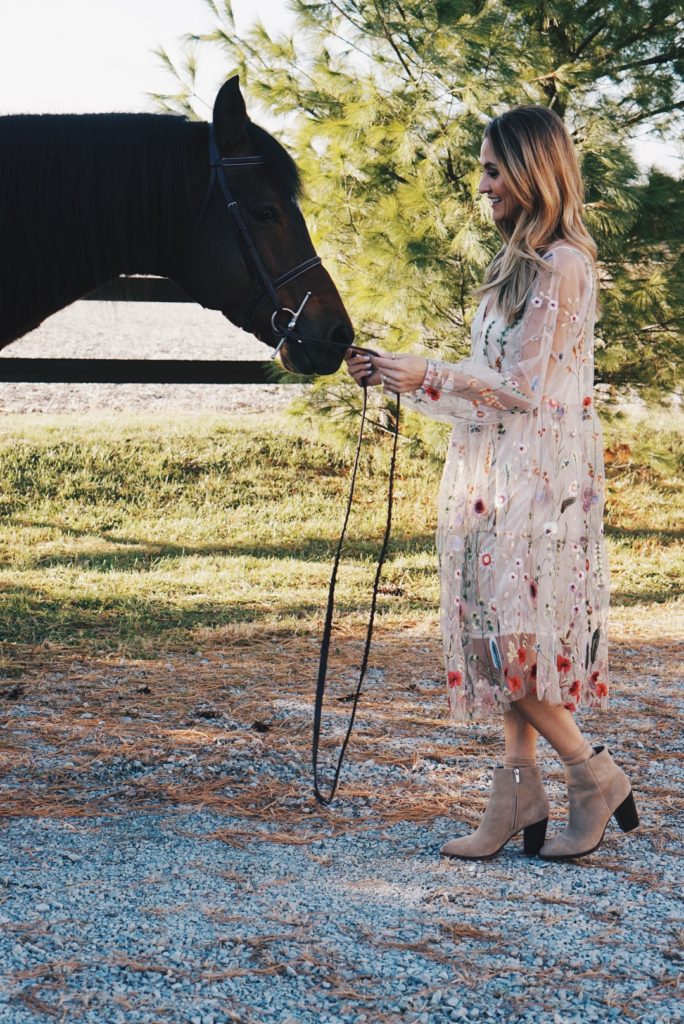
point(488, 715)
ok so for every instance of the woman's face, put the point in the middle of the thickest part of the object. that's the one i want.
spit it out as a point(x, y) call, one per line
point(492, 185)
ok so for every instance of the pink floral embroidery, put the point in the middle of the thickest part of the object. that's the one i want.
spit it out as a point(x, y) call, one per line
point(455, 679)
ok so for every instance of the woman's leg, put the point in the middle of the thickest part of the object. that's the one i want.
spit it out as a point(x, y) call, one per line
point(517, 799)
point(597, 787)
point(520, 739)
point(557, 725)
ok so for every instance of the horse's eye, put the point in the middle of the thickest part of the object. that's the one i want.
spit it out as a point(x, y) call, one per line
point(265, 214)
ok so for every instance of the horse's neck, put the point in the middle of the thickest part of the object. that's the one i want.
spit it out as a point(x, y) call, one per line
point(102, 204)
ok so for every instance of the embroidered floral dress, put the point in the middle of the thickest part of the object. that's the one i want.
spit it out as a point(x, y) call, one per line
point(524, 576)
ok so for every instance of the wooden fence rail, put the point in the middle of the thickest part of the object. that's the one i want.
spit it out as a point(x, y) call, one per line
point(137, 371)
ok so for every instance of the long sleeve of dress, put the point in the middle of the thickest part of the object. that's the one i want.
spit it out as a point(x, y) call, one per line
point(554, 312)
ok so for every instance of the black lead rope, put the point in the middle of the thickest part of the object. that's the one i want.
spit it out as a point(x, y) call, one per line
point(327, 628)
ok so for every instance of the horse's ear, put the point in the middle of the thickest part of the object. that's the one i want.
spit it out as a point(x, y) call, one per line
point(230, 115)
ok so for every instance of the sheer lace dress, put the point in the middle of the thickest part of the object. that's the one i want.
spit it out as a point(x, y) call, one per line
point(524, 576)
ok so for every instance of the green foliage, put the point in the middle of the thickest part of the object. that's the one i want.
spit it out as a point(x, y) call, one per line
point(386, 104)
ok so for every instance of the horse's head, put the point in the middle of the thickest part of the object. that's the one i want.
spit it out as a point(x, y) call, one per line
point(216, 268)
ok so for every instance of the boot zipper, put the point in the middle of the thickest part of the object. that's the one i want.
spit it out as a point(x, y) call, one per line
point(516, 776)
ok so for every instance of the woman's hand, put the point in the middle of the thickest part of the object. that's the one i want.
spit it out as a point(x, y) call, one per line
point(396, 373)
point(358, 365)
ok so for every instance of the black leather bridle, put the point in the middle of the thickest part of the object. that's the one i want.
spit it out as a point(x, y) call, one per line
point(283, 319)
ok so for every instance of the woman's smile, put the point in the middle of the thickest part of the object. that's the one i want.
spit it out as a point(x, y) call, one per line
point(492, 185)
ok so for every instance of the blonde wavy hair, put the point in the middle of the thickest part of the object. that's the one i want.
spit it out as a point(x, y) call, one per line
point(538, 163)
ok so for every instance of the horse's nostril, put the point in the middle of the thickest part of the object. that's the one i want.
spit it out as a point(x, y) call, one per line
point(342, 334)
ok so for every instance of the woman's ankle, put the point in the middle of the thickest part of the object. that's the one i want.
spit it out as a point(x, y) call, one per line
point(519, 761)
point(581, 753)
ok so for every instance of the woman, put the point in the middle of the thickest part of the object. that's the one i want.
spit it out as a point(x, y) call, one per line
point(524, 577)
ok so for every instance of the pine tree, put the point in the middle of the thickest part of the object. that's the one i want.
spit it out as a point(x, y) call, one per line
point(386, 104)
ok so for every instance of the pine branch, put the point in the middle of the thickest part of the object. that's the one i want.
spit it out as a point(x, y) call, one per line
point(390, 40)
point(347, 17)
point(588, 40)
point(646, 115)
point(662, 58)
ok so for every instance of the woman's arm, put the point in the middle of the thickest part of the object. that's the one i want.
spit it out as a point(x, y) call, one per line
point(472, 390)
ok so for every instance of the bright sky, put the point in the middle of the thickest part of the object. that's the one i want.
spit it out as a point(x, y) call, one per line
point(73, 56)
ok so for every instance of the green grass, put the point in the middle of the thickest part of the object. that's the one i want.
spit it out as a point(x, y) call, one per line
point(645, 506)
point(131, 535)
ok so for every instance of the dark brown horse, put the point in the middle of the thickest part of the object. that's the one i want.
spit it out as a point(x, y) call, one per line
point(87, 197)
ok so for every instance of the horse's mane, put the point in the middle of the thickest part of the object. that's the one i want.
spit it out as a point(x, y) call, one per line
point(132, 176)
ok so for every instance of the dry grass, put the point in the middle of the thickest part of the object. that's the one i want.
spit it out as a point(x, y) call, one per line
point(190, 715)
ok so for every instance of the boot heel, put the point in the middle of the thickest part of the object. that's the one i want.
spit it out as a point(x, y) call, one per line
point(626, 814)
point(534, 836)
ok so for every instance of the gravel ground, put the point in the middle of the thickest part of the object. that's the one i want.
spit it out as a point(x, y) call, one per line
point(162, 859)
point(140, 330)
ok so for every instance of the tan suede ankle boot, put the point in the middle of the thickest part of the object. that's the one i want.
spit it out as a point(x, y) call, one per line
point(597, 788)
point(517, 801)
